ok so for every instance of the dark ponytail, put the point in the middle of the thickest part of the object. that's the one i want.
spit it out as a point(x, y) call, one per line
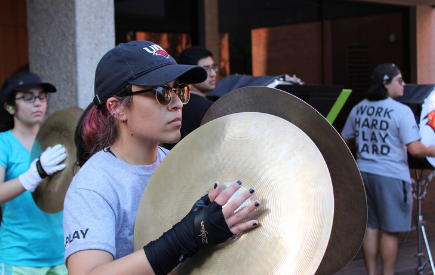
point(377, 92)
point(97, 129)
point(6, 119)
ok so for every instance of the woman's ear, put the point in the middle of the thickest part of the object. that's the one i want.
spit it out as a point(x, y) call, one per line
point(386, 84)
point(113, 106)
point(9, 108)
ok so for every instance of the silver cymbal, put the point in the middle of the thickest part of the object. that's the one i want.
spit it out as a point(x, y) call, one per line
point(350, 217)
point(58, 128)
point(267, 153)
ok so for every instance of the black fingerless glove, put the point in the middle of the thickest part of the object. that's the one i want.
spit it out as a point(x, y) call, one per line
point(204, 226)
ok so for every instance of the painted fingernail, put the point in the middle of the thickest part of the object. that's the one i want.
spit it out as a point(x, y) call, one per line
point(215, 185)
point(251, 190)
point(239, 182)
point(255, 224)
point(256, 204)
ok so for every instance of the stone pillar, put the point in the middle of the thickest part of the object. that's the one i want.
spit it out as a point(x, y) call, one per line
point(209, 26)
point(425, 37)
point(67, 38)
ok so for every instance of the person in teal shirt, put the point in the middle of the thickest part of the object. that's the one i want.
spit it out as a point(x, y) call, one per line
point(31, 241)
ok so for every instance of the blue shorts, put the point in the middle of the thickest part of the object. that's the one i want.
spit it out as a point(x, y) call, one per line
point(389, 203)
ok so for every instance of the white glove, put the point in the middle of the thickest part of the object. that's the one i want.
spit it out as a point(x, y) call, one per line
point(49, 161)
point(51, 157)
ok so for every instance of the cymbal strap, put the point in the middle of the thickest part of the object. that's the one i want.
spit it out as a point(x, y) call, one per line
point(41, 170)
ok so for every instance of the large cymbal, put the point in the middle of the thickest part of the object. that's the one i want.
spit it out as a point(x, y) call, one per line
point(350, 217)
point(289, 176)
point(58, 128)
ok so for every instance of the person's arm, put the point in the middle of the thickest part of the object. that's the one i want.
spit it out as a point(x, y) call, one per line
point(419, 150)
point(29, 180)
point(10, 189)
point(95, 262)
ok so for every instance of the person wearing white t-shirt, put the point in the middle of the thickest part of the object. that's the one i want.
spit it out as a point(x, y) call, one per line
point(383, 130)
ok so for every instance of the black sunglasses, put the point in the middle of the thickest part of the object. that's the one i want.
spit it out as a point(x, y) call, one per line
point(164, 93)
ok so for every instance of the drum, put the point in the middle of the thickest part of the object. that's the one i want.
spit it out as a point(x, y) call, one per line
point(421, 100)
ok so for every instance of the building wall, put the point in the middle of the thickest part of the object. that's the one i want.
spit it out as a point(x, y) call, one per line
point(173, 43)
point(224, 56)
point(302, 49)
point(425, 44)
point(371, 34)
point(340, 52)
point(293, 50)
point(372, 31)
point(14, 53)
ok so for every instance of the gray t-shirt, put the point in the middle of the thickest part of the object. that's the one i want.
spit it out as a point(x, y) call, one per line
point(101, 204)
point(382, 129)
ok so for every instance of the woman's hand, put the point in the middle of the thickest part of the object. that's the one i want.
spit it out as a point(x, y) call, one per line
point(207, 224)
point(46, 165)
point(51, 158)
point(233, 219)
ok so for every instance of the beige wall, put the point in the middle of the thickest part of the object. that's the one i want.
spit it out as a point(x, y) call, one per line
point(67, 38)
point(425, 32)
point(208, 26)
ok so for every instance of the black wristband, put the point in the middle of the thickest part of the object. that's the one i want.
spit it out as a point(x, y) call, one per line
point(210, 222)
point(41, 171)
point(183, 241)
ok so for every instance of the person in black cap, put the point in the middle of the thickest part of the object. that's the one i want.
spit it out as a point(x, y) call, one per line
point(30, 240)
point(383, 130)
point(139, 94)
point(194, 112)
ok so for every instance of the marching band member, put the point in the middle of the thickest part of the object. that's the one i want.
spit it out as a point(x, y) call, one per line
point(30, 240)
point(139, 95)
point(383, 130)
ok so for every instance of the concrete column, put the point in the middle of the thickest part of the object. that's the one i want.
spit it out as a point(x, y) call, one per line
point(67, 38)
point(425, 37)
point(209, 26)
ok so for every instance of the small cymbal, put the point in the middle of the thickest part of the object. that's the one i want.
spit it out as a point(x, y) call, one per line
point(267, 153)
point(58, 128)
point(350, 216)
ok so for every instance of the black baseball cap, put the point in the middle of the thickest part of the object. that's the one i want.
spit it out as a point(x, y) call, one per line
point(22, 82)
point(140, 63)
point(383, 72)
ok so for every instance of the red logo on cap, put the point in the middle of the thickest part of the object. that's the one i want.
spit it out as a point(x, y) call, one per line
point(157, 50)
point(162, 52)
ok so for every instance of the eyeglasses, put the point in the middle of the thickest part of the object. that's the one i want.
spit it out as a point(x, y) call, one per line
point(213, 67)
point(400, 80)
point(164, 93)
point(31, 98)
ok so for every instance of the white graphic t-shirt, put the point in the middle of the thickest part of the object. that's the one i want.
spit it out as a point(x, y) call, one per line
point(381, 130)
